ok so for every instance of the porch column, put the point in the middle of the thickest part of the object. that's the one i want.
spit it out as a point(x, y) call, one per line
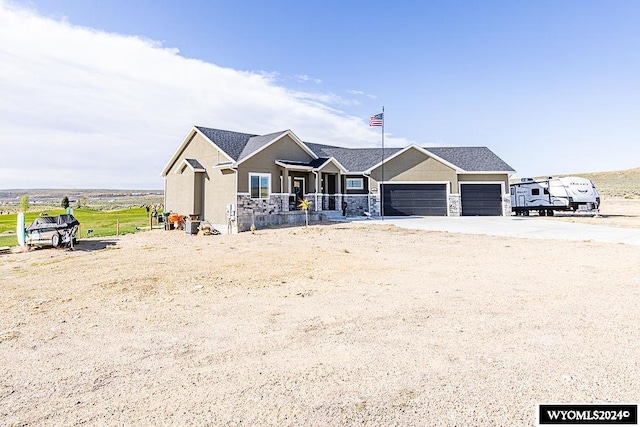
point(317, 179)
point(286, 189)
point(339, 191)
point(368, 193)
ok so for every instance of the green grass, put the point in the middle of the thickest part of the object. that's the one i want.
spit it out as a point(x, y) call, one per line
point(103, 223)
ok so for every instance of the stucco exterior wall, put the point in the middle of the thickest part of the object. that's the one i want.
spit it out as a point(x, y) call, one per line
point(220, 192)
point(206, 194)
point(180, 192)
point(330, 168)
point(264, 162)
point(413, 165)
point(498, 177)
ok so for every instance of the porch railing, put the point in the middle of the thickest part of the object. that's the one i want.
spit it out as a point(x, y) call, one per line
point(293, 203)
point(328, 203)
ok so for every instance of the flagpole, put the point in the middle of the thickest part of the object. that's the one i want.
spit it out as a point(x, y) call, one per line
point(382, 182)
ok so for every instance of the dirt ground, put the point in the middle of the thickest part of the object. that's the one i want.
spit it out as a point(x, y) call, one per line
point(613, 213)
point(336, 324)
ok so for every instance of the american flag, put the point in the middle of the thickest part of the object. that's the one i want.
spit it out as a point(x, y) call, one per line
point(376, 120)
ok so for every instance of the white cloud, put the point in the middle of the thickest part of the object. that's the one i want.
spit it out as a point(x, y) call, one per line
point(361, 93)
point(87, 109)
point(303, 78)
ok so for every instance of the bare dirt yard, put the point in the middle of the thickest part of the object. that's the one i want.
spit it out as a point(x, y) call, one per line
point(615, 212)
point(334, 324)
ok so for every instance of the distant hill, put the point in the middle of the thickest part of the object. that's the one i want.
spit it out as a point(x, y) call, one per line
point(623, 183)
point(104, 199)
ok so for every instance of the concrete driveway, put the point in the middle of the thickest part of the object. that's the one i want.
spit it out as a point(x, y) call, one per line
point(526, 227)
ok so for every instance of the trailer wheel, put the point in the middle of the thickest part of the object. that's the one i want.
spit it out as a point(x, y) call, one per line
point(55, 240)
point(549, 212)
point(525, 212)
point(542, 212)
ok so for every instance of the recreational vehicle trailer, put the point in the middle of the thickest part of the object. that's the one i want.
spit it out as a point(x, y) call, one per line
point(554, 194)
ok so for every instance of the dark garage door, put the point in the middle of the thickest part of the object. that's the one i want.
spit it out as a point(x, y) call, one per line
point(481, 199)
point(415, 199)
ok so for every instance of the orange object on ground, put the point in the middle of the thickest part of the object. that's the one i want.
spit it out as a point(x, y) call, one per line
point(175, 219)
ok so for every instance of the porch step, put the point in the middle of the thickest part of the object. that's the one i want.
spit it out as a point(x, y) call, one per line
point(333, 215)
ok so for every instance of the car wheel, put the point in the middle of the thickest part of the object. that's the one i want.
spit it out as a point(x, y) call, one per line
point(55, 240)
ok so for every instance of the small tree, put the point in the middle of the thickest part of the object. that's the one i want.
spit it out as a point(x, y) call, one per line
point(305, 205)
point(24, 203)
point(65, 202)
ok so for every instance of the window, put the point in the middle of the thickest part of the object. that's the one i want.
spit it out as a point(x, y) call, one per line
point(355, 184)
point(535, 191)
point(259, 185)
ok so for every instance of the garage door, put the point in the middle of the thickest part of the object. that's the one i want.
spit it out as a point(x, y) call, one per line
point(481, 199)
point(415, 199)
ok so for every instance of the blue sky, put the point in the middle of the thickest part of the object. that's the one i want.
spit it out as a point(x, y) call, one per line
point(550, 86)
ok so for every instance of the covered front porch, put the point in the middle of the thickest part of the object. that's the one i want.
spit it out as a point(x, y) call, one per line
point(318, 181)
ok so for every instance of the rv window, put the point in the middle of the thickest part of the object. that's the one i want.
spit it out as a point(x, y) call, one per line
point(513, 191)
point(546, 191)
point(535, 191)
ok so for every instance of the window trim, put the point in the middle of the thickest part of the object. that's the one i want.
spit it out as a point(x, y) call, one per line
point(360, 187)
point(260, 176)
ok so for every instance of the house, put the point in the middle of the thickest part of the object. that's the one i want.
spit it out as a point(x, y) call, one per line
point(234, 180)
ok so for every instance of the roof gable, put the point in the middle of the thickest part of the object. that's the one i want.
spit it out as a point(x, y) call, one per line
point(239, 147)
point(258, 143)
point(416, 148)
point(462, 159)
point(231, 143)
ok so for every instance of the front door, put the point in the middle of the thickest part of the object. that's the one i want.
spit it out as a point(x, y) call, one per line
point(331, 189)
point(298, 189)
point(331, 184)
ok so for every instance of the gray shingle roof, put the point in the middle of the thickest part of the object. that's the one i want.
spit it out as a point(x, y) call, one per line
point(195, 164)
point(472, 159)
point(237, 145)
point(353, 159)
point(256, 142)
point(318, 162)
point(230, 142)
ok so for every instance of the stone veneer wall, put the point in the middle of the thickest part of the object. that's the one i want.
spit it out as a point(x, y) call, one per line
point(272, 211)
point(455, 205)
point(375, 205)
point(356, 204)
point(506, 204)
